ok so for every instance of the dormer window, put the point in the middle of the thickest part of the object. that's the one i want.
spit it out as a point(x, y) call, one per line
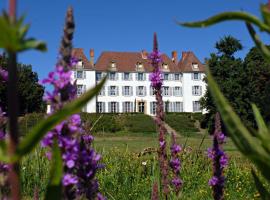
point(195, 66)
point(80, 64)
point(139, 65)
point(113, 64)
point(165, 66)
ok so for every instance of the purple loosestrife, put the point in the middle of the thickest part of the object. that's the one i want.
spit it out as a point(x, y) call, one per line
point(156, 83)
point(154, 195)
point(79, 158)
point(175, 164)
point(219, 159)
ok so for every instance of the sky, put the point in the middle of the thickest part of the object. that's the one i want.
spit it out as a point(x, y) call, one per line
point(128, 25)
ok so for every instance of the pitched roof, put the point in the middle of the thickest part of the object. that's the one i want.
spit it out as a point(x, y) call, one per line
point(79, 54)
point(127, 61)
point(189, 61)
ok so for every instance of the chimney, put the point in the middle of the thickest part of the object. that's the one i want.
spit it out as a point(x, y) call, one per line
point(92, 57)
point(174, 56)
point(144, 54)
point(184, 54)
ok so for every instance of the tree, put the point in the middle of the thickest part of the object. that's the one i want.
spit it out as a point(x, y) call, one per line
point(30, 92)
point(227, 71)
point(257, 72)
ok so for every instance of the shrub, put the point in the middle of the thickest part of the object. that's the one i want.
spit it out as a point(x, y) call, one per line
point(28, 121)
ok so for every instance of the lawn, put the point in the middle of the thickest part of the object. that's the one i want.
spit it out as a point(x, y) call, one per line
point(124, 176)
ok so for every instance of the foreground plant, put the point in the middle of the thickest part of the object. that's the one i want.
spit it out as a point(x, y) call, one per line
point(256, 146)
point(219, 159)
point(13, 40)
point(79, 158)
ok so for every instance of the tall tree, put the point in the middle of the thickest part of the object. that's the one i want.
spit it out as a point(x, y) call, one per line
point(257, 72)
point(227, 70)
point(30, 92)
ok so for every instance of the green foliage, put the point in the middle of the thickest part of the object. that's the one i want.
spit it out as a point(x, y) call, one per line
point(111, 122)
point(13, 33)
point(125, 177)
point(30, 92)
point(230, 74)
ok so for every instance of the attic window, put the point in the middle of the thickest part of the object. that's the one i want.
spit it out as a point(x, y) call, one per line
point(113, 64)
point(80, 63)
point(139, 65)
point(165, 66)
point(195, 66)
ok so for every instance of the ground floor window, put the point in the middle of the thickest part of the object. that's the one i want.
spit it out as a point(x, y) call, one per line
point(100, 107)
point(127, 106)
point(153, 107)
point(113, 107)
point(196, 106)
point(177, 106)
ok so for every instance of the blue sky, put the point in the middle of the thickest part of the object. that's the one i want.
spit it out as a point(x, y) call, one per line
point(128, 25)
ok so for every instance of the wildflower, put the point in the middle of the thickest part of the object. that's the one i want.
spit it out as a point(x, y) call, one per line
point(175, 165)
point(144, 163)
point(220, 161)
point(156, 83)
point(79, 158)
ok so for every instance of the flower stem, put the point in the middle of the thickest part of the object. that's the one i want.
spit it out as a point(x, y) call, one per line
point(13, 123)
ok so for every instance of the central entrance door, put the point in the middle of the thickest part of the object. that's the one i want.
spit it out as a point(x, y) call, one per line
point(141, 107)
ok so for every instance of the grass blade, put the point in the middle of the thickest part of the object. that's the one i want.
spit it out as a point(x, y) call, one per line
point(226, 16)
point(264, 193)
point(54, 188)
point(265, 51)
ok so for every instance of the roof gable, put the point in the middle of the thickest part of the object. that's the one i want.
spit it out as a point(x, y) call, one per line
point(190, 63)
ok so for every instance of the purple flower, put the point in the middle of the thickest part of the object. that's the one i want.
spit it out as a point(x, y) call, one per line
point(219, 159)
point(156, 78)
point(175, 164)
point(69, 179)
point(177, 182)
point(3, 75)
point(213, 181)
point(175, 148)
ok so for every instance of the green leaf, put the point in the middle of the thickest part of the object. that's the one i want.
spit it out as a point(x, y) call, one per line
point(263, 132)
point(54, 188)
point(3, 152)
point(33, 44)
point(12, 37)
point(226, 16)
point(264, 193)
point(265, 13)
point(250, 146)
point(264, 50)
point(29, 142)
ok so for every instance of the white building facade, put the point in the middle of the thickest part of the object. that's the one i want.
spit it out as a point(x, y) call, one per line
point(128, 88)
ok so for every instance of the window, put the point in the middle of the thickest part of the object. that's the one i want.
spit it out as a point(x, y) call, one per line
point(177, 77)
point(113, 91)
point(152, 91)
point(177, 91)
point(80, 89)
point(196, 90)
point(98, 76)
point(153, 107)
point(166, 91)
point(112, 76)
point(196, 106)
point(195, 66)
point(141, 91)
point(126, 76)
point(102, 92)
point(166, 77)
point(196, 76)
point(100, 107)
point(79, 74)
point(165, 66)
point(140, 76)
point(126, 90)
point(127, 106)
point(177, 106)
point(113, 107)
